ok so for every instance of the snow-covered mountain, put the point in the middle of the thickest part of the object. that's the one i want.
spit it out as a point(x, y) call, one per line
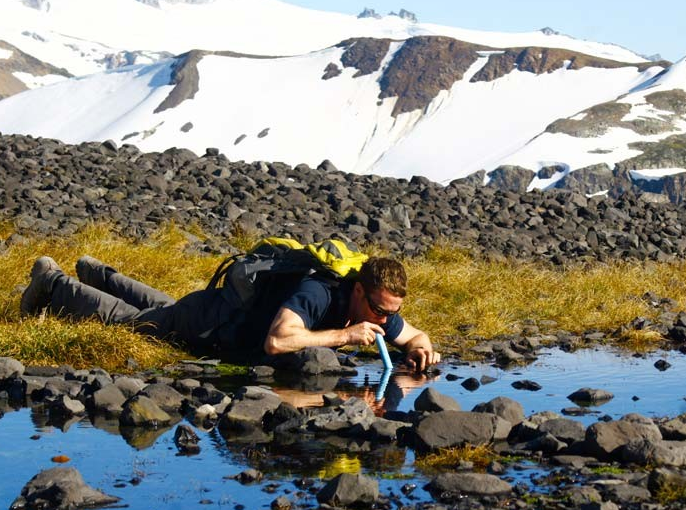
point(388, 96)
point(82, 35)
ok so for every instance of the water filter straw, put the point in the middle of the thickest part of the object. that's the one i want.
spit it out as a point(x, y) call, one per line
point(385, 377)
point(383, 352)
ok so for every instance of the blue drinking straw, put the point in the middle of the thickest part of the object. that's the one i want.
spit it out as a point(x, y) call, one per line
point(385, 377)
point(383, 352)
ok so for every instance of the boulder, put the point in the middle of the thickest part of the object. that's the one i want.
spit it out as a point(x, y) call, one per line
point(590, 396)
point(445, 429)
point(10, 367)
point(166, 397)
point(655, 453)
point(430, 400)
point(354, 412)
point(60, 488)
point(248, 409)
point(349, 490)
point(605, 439)
point(141, 411)
point(505, 407)
point(452, 486)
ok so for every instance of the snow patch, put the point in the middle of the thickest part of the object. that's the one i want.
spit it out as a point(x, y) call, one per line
point(33, 82)
point(538, 183)
point(654, 174)
point(5, 54)
point(579, 116)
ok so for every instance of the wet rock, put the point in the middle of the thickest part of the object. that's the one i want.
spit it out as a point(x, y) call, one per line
point(576, 411)
point(281, 503)
point(186, 386)
point(604, 440)
point(108, 400)
point(657, 453)
point(129, 386)
point(625, 493)
point(349, 490)
point(507, 356)
point(186, 440)
point(261, 372)
point(546, 443)
point(10, 367)
point(563, 429)
point(386, 430)
point(249, 408)
point(430, 400)
point(65, 407)
point(470, 384)
point(581, 495)
point(662, 365)
point(454, 428)
point(354, 412)
point(166, 397)
point(248, 476)
point(666, 478)
point(60, 487)
point(452, 486)
point(504, 407)
point(312, 361)
point(590, 396)
point(674, 429)
point(527, 385)
point(141, 411)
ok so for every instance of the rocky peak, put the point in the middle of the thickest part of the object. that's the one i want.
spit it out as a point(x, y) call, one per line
point(549, 31)
point(369, 13)
point(409, 16)
point(40, 5)
point(655, 57)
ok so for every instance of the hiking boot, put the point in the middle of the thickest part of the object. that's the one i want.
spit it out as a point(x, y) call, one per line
point(92, 272)
point(37, 294)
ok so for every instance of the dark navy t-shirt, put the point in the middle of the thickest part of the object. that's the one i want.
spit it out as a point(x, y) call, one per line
point(324, 305)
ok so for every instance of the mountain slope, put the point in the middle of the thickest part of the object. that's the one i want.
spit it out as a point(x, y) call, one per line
point(132, 32)
point(431, 106)
point(630, 131)
point(19, 71)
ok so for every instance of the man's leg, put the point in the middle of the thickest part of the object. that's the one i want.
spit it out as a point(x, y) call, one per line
point(94, 273)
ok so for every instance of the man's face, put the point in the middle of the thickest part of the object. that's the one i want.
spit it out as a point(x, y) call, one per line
point(374, 306)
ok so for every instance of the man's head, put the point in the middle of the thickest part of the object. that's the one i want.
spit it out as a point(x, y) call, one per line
point(379, 290)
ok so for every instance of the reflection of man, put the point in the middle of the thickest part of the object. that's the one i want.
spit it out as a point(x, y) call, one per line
point(399, 386)
point(317, 312)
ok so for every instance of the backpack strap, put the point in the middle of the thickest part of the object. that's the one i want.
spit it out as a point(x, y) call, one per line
point(221, 272)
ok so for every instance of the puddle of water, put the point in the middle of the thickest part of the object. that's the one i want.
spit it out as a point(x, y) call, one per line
point(166, 480)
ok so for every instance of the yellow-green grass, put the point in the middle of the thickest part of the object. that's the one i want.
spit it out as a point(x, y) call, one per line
point(448, 458)
point(448, 289)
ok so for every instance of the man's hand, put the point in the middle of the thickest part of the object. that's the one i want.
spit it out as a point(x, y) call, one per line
point(420, 358)
point(363, 333)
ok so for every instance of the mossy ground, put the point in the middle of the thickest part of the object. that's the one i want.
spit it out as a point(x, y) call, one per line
point(449, 292)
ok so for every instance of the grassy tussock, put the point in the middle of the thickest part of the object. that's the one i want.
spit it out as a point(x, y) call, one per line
point(448, 458)
point(448, 291)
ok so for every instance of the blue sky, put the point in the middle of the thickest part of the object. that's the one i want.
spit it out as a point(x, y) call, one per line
point(646, 27)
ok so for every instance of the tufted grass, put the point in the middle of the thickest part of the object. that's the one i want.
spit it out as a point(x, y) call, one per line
point(449, 292)
point(449, 458)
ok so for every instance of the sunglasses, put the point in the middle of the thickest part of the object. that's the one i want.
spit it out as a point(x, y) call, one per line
point(377, 310)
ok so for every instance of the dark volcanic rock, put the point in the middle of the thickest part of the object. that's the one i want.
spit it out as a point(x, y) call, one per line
point(454, 428)
point(364, 54)
point(349, 490)
point(449, 486)
point(511, 178)
point(60, 487)
point(424, 66)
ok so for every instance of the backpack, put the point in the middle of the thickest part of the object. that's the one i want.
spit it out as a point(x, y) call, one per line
point(280, 261)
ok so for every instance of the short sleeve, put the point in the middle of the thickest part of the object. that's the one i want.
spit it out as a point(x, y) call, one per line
point(310, 301)
point(393, 327)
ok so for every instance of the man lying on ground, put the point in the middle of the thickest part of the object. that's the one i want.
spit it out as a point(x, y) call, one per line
point(317, 312)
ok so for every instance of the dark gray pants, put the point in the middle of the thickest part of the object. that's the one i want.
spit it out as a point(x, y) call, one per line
point(197, 319)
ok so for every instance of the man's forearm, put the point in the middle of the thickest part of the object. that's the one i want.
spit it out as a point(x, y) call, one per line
point(420, 341)
point(290, 342)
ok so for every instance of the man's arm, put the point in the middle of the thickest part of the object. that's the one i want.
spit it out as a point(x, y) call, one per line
point(289, 334)
point(419, 352)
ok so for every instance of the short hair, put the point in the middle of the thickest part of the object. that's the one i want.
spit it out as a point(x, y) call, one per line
point(383, 273)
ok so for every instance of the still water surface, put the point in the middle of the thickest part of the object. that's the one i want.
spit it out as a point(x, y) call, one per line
point(148, 473)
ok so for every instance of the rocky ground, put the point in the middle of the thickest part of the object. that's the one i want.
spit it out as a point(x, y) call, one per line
point(53, 188)
point(628, 463)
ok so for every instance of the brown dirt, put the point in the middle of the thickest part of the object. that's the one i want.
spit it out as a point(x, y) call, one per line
point(22, 62)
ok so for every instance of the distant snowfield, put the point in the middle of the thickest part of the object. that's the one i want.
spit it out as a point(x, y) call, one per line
point(281, 110)
point(61, 37)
